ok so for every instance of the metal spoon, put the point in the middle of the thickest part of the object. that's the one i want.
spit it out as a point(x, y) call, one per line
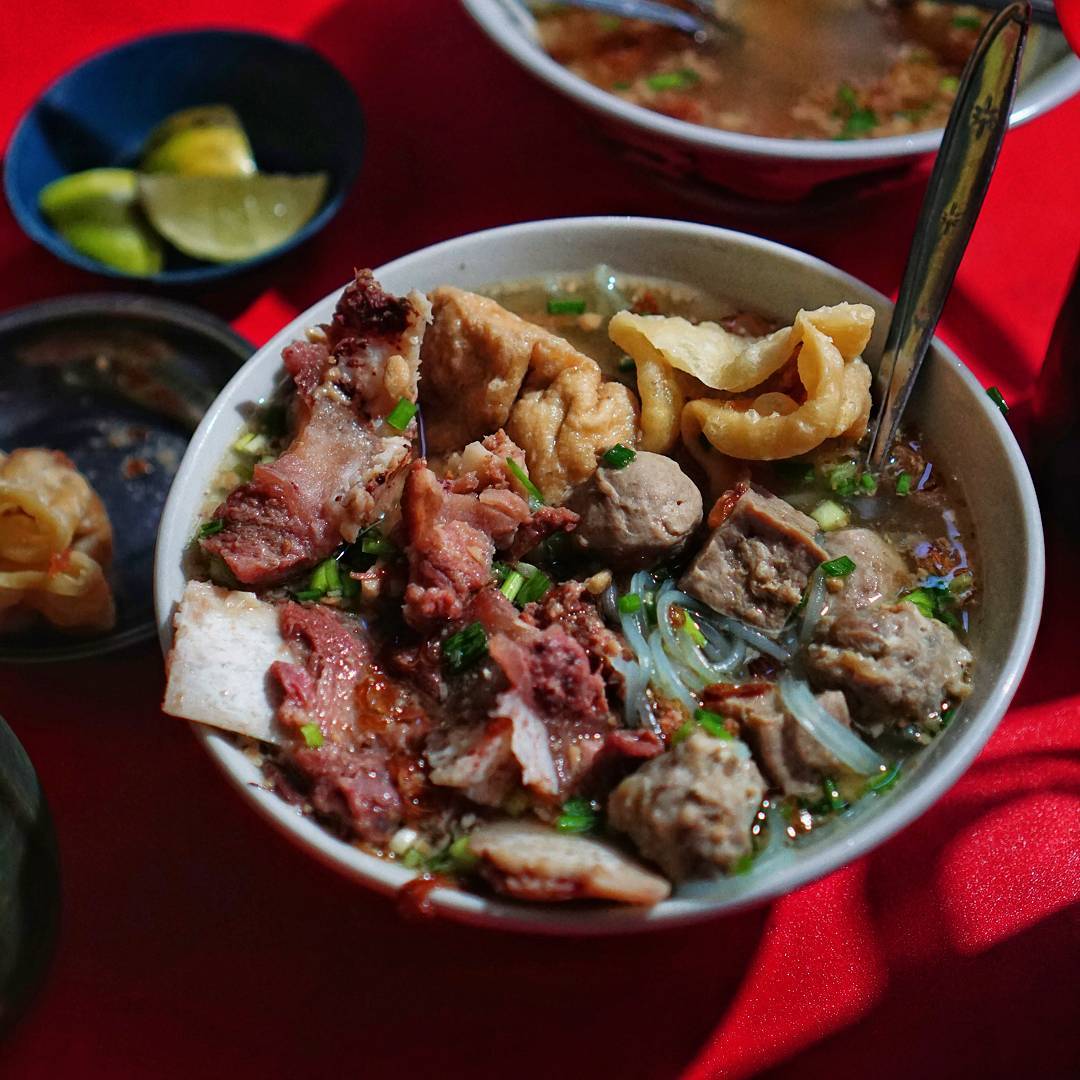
point(958, 183)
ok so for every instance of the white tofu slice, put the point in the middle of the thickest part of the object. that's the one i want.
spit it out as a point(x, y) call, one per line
point(219, 666)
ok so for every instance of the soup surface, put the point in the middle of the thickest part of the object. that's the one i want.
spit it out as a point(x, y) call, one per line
point(803, 69)
point(619, 611)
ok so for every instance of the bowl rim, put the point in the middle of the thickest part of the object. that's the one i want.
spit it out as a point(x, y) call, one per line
point(494, 18)
point(25, 211)
point(472, 908)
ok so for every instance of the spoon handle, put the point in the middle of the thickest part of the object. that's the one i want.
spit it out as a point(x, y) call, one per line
point(954, 196)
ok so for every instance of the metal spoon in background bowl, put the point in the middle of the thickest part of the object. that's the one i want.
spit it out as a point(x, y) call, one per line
point(958, 183)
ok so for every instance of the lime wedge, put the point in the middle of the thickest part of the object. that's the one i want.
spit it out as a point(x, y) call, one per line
point(208, 140)
point(230, 218)
point(96, 212)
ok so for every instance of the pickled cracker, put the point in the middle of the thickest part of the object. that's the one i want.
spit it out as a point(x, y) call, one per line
point(475, 357)
point(565, 427)
point(773, 425)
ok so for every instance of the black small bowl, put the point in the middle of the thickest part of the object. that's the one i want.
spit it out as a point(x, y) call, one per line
point(299, 112)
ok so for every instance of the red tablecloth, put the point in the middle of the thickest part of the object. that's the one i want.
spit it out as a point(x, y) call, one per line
point(196, 941)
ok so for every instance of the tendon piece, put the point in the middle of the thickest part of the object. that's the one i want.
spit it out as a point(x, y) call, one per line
point(566, 426)
point(224, 644)
point(530, 861)
point(344, 457)
point(454, 528)
point(476, 357)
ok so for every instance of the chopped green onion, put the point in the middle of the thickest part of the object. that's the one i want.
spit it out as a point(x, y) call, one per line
point(869, 484)
point(845, 95)
point(950, 84)
point(796, 473)
point(413, 859)
point(681, 734)
point(935, 602)
point(565, 306)
point(627, 364)
point(577, 816)
point(536, 585)
point(512, 585)
point(522, 477)
point(401, 414)
point(998, 399)
point(313, 735)
point(967, 22)
point(650, 605)
point(744, 864)
point(832, 794)
point(885, 780)
point(465, 648)
point(858, 123)
point(326, 578)
point(838, 567)
point(961, 583)
point(374, 543)
point(251, 442)
point(713, 723)
point(456, 858)
point(673, 80)
point(618, 457)
point(309, 594)
point(693, 631)
point(629, 603)
point(903, 484)
point(843, 478)
point(830, 515)
point(210, 528)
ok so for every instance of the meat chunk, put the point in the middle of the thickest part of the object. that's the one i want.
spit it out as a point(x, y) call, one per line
point(790, 758)
point(758, 560)
point(892, 662)
point(530, 861)
point(880, 571)
point(454, 528)
point(343, 458)
point(634, 516)
point(690, 810)
point(224, 644)
point(476, 356)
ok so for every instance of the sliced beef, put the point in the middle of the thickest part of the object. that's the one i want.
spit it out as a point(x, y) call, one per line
point(369, 728)
point(880, 571)
point(344, 459)
point(453, 528)
point(791, 759)
point(530, 861)
point(690, 810)
point(634, 516)
point(893, 663)
point(758, 560)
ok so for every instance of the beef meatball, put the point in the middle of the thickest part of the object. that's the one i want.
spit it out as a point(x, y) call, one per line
point(634, 516)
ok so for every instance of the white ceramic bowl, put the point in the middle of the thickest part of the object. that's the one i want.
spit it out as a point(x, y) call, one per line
point(968, 434)
point(753, 165)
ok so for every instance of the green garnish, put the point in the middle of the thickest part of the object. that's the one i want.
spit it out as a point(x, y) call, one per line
point(841, 566)
point(401, 414)
point(950, 84)
point(832, 794)
point(961, 583)
point(843, 478)
point(830, 515)
point(682, 733)
point(693, 631)
point(868, 483)
point(374, 543)
point(744, 864)
point(251, 442)
point(512, 585)
point(858, 123)
point(210, 528)
point(846, 96)
point(627, 363)
point(500, 571)
point(673, 80)
point(455, 858)
point(884, 780)
point(465, 648)
point(413, 859)
point(309, 594)
point(534, 588)
point(618, 457)
point(629, 603)
point(326, 577)
point(996, 396)
point(903, 484)
point(536, 498)
point(565, 306)
point(967, 22)
point(313, 735)
point(713, 723)
point(578, 816)
point(935, 602)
